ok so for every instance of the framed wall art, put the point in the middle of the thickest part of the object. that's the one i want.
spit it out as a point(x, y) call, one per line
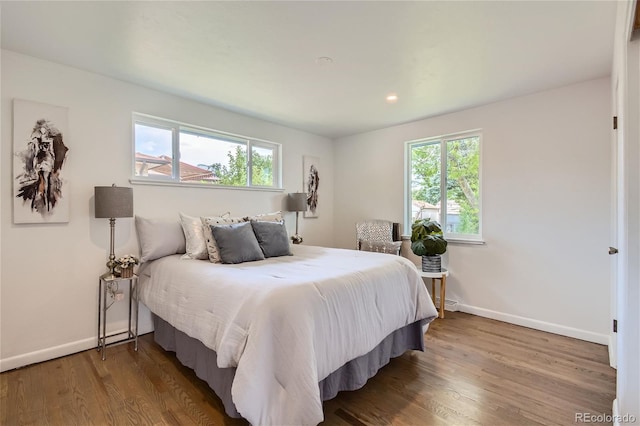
point(40, 191)
point(311, 184)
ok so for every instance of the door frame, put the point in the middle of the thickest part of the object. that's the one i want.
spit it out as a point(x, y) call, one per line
point(615, 220)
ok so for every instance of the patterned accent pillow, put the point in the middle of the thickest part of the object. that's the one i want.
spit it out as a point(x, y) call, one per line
point(194, 234)
point(381, 247)
point(266, 217)
point(207, 222)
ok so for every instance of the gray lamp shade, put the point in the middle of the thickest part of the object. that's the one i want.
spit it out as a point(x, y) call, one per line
point(113, 201)
point(297, 202)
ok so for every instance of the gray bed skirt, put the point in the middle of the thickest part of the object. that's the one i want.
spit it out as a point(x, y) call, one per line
point(351, 376)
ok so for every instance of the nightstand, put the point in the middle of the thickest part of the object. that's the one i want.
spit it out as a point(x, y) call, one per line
point(109, 289)
point(442, 276)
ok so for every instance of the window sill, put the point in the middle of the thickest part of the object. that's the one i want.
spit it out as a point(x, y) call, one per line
point(453, 241)
point(134, 181)
point(470, 242)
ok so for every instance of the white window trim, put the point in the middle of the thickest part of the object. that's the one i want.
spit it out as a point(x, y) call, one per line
point(157, 182)
point(452, 238)
point(276, 162)
point(174, 180)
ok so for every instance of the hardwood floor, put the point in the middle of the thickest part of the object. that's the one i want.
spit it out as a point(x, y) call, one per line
point(475, 371)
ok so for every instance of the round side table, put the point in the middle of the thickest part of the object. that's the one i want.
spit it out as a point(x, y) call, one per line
point(442, 276)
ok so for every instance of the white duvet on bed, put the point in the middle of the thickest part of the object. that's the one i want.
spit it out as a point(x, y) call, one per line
point(286, 323)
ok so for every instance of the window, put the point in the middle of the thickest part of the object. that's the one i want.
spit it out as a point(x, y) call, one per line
point(443, 184)
point(172, 152)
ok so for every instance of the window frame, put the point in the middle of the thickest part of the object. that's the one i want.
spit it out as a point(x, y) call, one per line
point(176, 128)
point(442, 140)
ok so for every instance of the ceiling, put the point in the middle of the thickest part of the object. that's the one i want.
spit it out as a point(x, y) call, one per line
point(261, 58)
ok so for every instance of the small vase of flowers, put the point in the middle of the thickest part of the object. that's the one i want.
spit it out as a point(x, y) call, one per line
point(126, 264)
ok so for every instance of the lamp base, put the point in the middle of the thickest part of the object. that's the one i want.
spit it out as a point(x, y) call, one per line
point(111, 264)
point(296, 239)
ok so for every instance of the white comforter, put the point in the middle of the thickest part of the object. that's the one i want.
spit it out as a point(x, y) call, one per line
point(286, 323)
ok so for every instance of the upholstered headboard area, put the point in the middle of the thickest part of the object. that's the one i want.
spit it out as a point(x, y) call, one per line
point(193, 237)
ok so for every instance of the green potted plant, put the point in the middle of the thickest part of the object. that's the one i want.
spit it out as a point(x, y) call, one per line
point(427, 240)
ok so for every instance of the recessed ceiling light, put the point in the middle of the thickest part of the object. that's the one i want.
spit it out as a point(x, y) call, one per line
point(323, 60)
point(391, 98)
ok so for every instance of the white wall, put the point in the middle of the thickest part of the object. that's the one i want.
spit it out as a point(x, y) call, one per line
point(49, 272)
point(546, 194)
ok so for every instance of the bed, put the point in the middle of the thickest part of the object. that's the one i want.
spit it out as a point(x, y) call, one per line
point(276, 337)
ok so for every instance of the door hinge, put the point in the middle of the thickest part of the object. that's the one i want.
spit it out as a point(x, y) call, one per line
point(615, 325)
point(615, 123)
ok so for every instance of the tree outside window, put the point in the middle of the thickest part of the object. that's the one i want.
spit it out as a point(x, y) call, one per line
point(174, 152)
point(444, 183)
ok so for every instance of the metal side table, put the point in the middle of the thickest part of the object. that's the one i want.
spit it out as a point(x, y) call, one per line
point(109, 285)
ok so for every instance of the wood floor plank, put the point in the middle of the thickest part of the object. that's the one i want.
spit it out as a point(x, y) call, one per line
point(475, 371)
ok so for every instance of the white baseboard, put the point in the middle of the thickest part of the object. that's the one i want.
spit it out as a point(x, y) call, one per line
point(449, 305)
point(146, 327)
point(615, 413)
point(47, 354)
point(613, 356)
point(57, 351)
point(562, 330)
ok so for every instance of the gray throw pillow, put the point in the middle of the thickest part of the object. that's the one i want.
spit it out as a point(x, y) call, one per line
point(272, 237)
point(236, 243)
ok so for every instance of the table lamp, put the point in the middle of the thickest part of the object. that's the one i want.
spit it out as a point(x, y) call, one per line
point(297, 202)
point(112, 202)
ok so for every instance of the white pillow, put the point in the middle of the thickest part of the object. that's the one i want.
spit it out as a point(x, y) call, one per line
point(195, 238)
point(212, 247)
point(266, 217)
point(159, 238)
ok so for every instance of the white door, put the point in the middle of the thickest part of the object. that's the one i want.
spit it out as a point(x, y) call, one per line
point(616, 169)
point(627, 215)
